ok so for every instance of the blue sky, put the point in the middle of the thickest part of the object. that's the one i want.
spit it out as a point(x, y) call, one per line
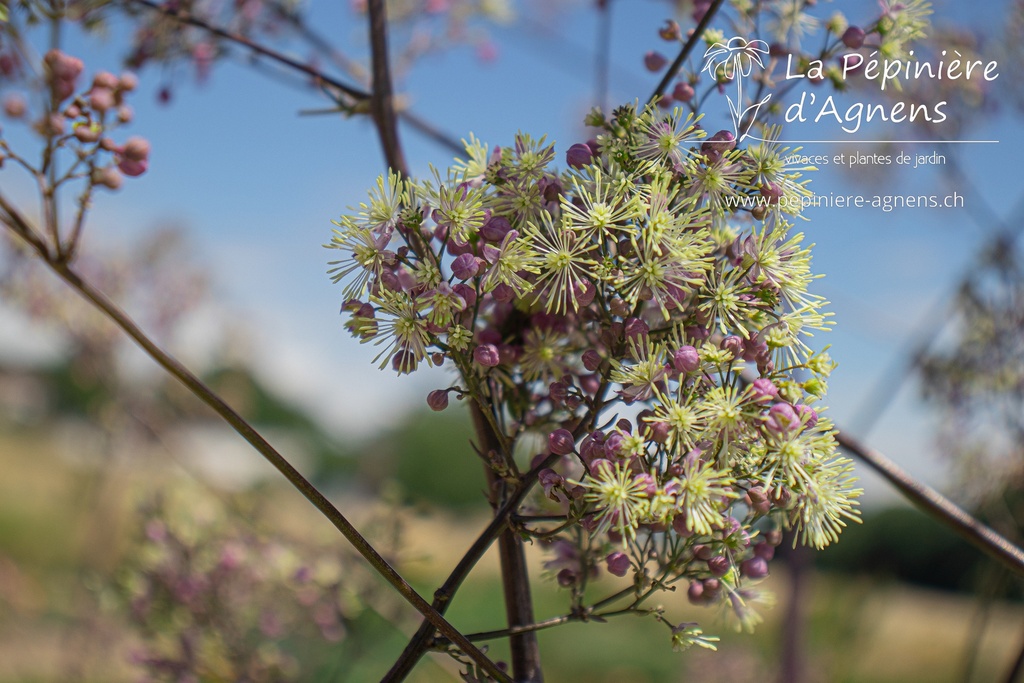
point(255, 185)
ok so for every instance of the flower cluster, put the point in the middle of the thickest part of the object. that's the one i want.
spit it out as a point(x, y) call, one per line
point(633, 282)
point(214, 599)
point(80, 123)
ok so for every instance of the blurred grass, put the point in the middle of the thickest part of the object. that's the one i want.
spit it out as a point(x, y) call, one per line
point(62, 526)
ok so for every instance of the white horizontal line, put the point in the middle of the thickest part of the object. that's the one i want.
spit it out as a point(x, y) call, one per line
point(903, 142)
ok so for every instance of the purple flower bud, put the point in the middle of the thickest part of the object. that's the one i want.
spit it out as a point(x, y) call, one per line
point(619, 307)
point(733, 345)
point(782, 418)
point(703, 552)
point(618, 563)
point(585, 293)
point(566, 578)
point(548, 480)
point(754, 568)
point(807, 415)
point(719, 565)
point(438, 400)
point(772, 192)
point(558, 392)
point(590, 383)
point(654, 61)
point(683, 92)
point(591, 360)
point(759, 500)
point(695, 593)
point(636, 328)
point(561, 442)
point(679, 526)
point(774, 537)
point(132, 168)
point(763, 390)
point(711, 588)
point(503, 293)
point(465, 266)
point(717, 145)
point(466, 293)
point(495, 229)
point(686, 359)
point(578, 156)
point(853, 37)
point(765, 551)
point(659, 432)
point(486, 355)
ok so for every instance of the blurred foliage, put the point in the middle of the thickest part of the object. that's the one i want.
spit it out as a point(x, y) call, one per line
point(430, 457)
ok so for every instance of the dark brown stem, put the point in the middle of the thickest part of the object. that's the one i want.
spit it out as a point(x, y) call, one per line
point(421, 640)
point(515, 577)
point(211, 399)
point(938, 506)
point(691, 42)
point(381, 100)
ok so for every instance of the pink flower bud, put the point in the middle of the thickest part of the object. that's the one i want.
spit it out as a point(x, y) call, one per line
point(719, 565)
point(87, 133)
point(759, 502)
point(132, 168)
point(686, 359)
point(101, 99)
point(763, 390)
point(654, 61)
point(486, 355)
point(695, 593)
point(782, 418)
point(438, 400)
point(591, 360)
point(105, 79)
point(128, 82)
point(125, 114)
point(136, 149)
point(754, 568)
point(853, 37)
point(733, 345)
point(561, 442)
point(109, 177)
point(15, 106)
point(683, 92)
point(618, 563)
point(807, 415)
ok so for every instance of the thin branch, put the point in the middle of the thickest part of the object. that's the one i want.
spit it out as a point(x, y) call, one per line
point(515, 577)
point(358, 94)
point(420, 642)
point(691, 42)
point(938, 506)
point(381, 100)
point(211, 399)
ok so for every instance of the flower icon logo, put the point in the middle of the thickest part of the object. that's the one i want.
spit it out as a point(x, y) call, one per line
point(735, 61)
